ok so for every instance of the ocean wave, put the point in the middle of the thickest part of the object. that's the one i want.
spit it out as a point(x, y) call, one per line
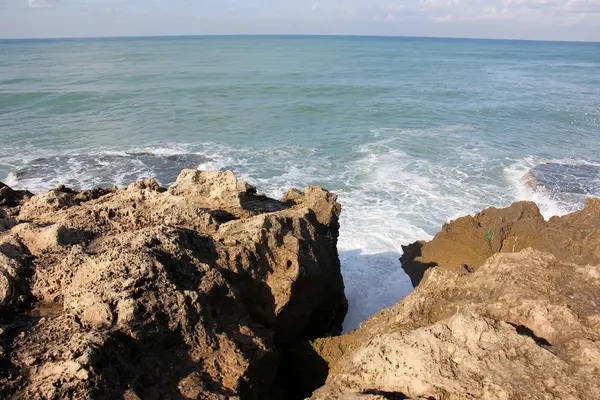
point(374, 224)
point(557, 186)
point(391, 194)
point(103, 169)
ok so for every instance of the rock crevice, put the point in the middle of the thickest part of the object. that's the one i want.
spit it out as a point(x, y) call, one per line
point(513, 315)
point(209, 290)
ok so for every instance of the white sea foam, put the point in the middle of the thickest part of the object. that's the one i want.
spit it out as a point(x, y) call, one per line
point(11, 180)
point(390, 195)
point(515, 174)
point(392, 199)
point(548, 203)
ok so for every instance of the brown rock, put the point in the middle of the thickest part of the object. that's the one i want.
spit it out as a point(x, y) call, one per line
point(46, 203)
point(150, 293)
point(523, 326)
point(308, 263)
point(6, 222)
point(12, 198)
point(143, 313)
point(471, 240)
point(222, 192)
point(14, 274)
point(6, 288)
point(43, 239)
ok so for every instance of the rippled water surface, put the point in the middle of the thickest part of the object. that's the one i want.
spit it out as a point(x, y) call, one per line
point(409, 132)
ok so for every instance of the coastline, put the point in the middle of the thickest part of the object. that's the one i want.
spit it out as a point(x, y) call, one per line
point(245, 294)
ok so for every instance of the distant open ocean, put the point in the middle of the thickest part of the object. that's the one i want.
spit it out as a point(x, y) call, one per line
point(410, 132)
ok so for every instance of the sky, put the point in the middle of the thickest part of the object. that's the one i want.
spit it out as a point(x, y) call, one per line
point(577, 20)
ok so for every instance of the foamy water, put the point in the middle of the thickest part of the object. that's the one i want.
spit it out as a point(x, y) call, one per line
point(389, 198)
point(410, 133)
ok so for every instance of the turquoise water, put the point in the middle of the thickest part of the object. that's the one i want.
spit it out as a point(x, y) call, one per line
point(409, 132)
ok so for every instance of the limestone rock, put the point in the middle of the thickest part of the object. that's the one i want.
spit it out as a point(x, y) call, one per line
point(145, 292)
point(469, 241)
point(307, 260)
point(43, 239)
point(14, 273)
point(144, 312)
point(50, 202)
point(222, 192)
point(523, 326)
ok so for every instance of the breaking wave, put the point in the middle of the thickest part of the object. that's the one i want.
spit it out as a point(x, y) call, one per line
point(390, 194)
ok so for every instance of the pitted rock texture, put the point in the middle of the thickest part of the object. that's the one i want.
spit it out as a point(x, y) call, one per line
point(152, 293)
point(525, 325)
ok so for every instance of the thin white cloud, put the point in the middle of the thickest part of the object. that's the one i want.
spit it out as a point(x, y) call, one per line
point(445, 18)
point(564, 12)
point(433, 4)
point(387, 18)
point(316, 5)
point(38, 3)
point(394, 7)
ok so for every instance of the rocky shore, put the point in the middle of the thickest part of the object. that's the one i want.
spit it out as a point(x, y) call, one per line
point(209, 290)
point(507, 306)
point(195, 291)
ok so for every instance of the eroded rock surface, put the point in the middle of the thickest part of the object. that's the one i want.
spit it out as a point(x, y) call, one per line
point(525, 325)
point(150, 293)
point(468, 242)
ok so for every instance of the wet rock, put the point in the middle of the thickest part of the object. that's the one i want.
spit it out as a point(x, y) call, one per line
point(565, 179)
point(81, 169)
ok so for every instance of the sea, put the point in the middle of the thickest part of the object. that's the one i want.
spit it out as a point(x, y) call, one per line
point(409, 132)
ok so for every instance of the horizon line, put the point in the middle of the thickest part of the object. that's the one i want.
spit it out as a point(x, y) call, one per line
point(282, 35)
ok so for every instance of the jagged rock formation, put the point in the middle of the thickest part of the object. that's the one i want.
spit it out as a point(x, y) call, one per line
point(523, 324)
point(10, 198)
point(149, 293)
point(469, 241)
point(208, 290)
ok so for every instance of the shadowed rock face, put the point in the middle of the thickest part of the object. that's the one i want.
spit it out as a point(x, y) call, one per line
point(523, 325)
point(468, 242)
point(10, 198)
point(143, 292)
